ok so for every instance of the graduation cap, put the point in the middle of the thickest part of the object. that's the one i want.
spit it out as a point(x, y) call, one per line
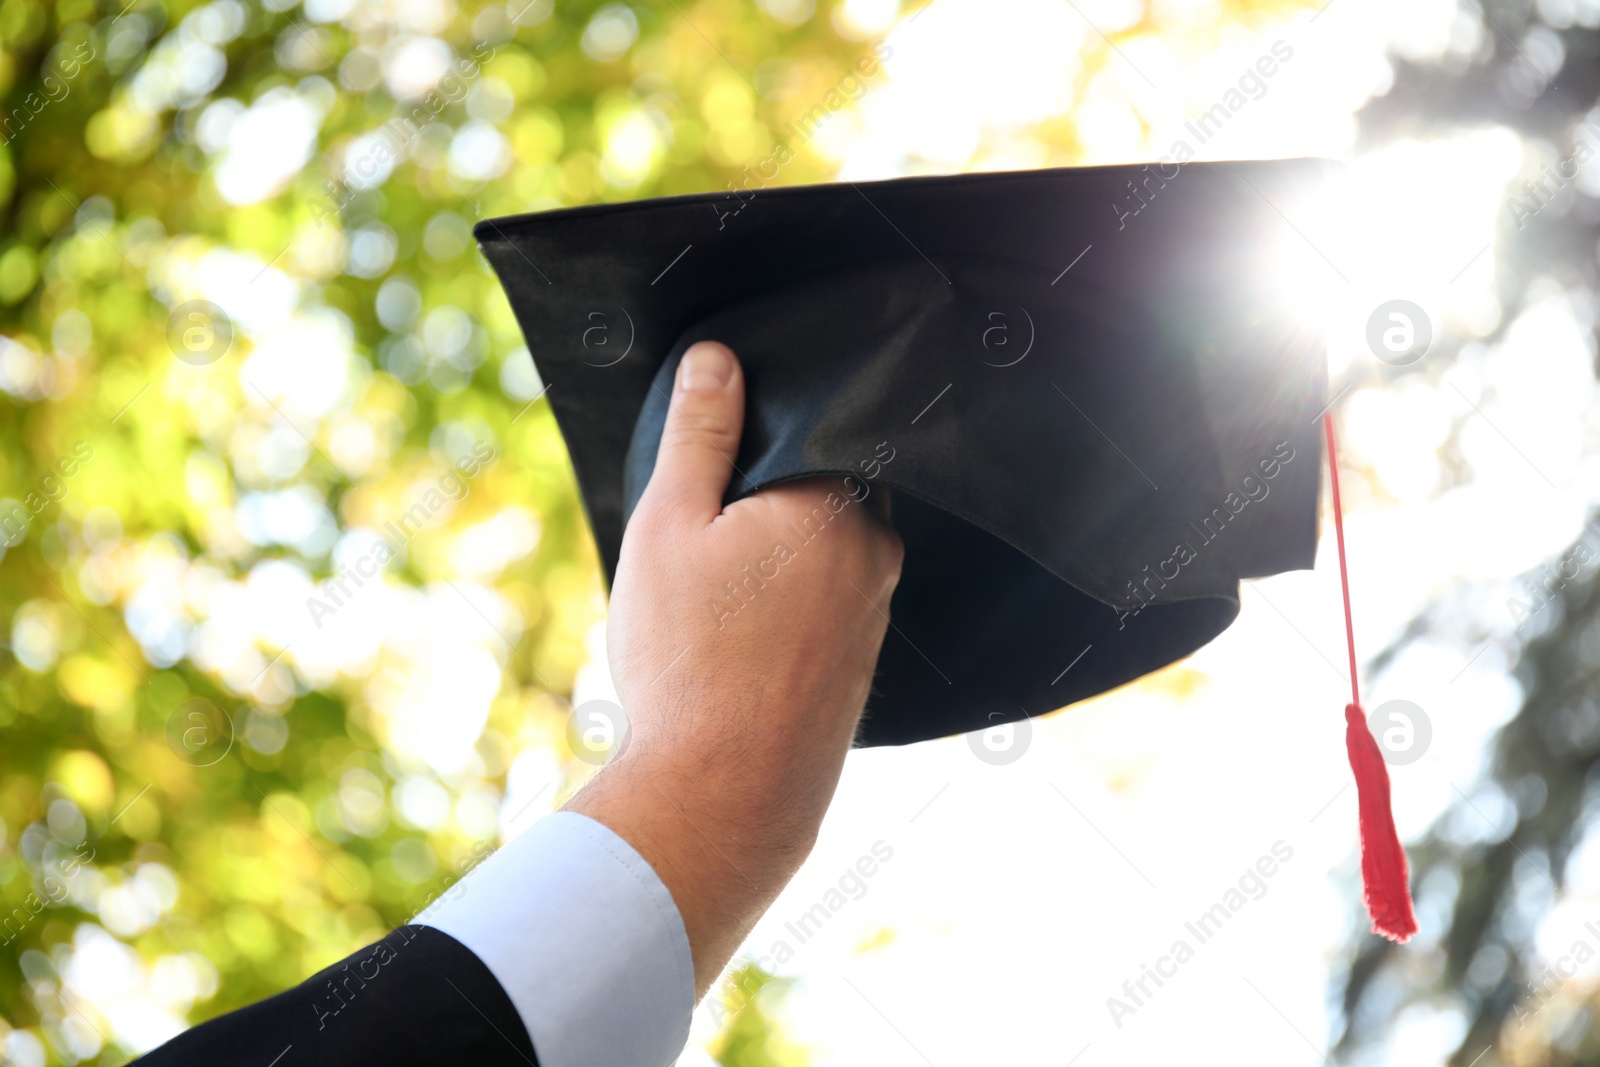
point(1083, 389)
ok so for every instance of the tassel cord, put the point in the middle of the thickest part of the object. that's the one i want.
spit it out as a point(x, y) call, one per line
point(1385, 880)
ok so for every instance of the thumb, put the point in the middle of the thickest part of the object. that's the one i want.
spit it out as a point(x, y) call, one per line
point(701, 435)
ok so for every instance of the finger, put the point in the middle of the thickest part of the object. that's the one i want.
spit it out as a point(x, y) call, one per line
point(878, 505)
point(701, 435)
point(818, 503)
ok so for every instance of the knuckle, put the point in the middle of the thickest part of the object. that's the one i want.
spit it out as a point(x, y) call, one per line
point(893, 562)
point(695, 426)
point(896, 549)
point(795, 505)
point(668, 510)
point(659, 512)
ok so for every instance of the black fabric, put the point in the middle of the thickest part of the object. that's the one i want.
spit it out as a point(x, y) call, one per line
point(417, 998)
point(1045, 465)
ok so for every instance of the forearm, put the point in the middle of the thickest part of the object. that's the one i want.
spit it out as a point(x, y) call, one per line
point(715, 839)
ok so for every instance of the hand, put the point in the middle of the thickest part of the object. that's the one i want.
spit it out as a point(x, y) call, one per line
point(742, 642)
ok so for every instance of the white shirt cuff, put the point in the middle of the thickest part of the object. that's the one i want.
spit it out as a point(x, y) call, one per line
point(585, 940)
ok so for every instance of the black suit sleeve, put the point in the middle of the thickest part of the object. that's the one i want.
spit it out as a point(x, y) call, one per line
point(416, 998)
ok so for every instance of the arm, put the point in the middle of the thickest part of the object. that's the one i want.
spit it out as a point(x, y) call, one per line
point(590, 937)
point(741, 720)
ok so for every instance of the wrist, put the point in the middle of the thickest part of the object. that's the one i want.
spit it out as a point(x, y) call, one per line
point(721, 856)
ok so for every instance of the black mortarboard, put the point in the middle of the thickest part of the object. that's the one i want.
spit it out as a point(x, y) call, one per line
point(1092, 405)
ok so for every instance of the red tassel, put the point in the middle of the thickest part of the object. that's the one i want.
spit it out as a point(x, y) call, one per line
point(1386, 885)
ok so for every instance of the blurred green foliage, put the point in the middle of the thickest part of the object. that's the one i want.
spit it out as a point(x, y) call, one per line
point(235, 878)
point(750, 1036)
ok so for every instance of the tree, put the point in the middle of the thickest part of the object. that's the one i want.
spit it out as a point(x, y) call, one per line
point(1534, 73)
point(277, 484)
